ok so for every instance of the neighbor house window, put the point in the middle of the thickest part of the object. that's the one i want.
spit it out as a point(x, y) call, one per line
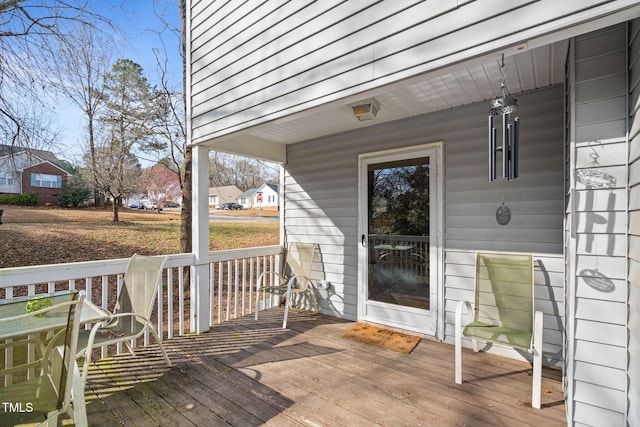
point(45, 180)
point(6, 180)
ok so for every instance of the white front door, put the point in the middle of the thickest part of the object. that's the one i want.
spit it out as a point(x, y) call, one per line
point(399, 234)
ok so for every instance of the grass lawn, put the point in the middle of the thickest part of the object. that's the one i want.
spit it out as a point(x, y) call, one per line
point(35, 236)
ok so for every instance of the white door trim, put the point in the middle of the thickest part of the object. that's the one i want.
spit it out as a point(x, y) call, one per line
point(435, 151)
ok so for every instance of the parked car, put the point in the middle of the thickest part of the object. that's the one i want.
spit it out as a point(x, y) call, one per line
point(172, 204)
point(230, 206)
point(138, 205)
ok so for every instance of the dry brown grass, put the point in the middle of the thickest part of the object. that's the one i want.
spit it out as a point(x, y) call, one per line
point(36, 236)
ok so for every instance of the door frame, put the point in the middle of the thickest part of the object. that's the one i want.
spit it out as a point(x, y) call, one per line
point(436, 224)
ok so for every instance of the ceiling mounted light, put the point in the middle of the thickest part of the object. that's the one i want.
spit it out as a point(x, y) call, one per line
point(506, 107)
point(366, 110)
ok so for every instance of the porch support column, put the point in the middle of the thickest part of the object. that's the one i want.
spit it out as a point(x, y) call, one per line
point(200, 287)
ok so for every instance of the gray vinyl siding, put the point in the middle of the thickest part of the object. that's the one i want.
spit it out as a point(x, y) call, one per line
point(251, 62)
point(597, 325)
point(633, 417)
point(321, 193)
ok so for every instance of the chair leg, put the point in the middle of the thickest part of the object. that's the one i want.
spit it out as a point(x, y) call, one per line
point(458, 356)
point(316, 307)
point(78, 402)
point(458, 338)
point(286, 309)
point(536, 389)
point(129, 345)
point(164, 352)
point(257, 304)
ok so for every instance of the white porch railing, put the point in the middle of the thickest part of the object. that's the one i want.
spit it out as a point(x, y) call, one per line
point(232, 278)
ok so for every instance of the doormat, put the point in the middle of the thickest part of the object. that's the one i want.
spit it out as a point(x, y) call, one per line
point(381, 337)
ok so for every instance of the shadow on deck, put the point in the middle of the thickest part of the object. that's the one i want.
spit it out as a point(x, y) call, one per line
point(247, 373)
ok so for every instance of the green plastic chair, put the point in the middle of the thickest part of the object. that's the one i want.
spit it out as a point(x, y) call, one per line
point(38, 339)
point(503, 311)
point(294, 278)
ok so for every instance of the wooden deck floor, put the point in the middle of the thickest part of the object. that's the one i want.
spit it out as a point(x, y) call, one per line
point(247, 373)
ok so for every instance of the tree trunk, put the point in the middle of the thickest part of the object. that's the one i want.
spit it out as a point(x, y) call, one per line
point(186, 209)
point(115, 210)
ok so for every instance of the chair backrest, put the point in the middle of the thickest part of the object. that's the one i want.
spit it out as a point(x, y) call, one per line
point(141, 281)
point(34, 376)
point(504, 294)
point(299, 261)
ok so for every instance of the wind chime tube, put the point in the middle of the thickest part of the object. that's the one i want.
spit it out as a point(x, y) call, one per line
point(505, 146)
point(492, 150)
point(515, 150)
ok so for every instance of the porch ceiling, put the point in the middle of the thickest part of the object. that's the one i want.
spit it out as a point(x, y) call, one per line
point(462, 84)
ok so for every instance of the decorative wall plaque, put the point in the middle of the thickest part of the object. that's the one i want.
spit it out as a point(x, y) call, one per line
point(503, 215)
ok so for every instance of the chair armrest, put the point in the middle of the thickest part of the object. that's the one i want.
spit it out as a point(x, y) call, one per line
point(538, 327)
point(458, 318)
point(303, 283)
point(86, 352)
point(263, 274)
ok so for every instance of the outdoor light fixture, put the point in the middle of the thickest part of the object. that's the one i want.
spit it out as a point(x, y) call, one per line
point(366, 110)
point(506, 107)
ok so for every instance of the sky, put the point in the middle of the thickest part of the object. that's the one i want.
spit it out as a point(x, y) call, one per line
point(139, 23)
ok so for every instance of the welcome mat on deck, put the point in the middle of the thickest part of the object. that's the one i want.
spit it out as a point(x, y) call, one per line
point(381, 337)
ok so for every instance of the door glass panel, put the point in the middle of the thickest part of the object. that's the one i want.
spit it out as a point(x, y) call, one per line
point(398, 232)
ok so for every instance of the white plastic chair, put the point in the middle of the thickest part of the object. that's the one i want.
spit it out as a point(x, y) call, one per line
point(293, 280)
point(130, 317)
point(503, 311)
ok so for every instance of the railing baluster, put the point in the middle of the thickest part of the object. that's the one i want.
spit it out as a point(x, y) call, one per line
point(220, 301)
point(251, 271)
point(228, 302)
point(181, 300)
point(244, 284)
point(170, 315)
point(119, 285)
point(236, 290)
point(105, 302)
point(160, 325)
point(212, 293)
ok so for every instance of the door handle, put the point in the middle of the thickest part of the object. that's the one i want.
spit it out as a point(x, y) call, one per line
point(364, 241)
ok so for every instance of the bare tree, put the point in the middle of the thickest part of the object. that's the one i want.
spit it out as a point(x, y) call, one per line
point(84, 61)
point(132, 110)
point(243, 172)
point(174, 132)
point(29, 32)
point(116, 169)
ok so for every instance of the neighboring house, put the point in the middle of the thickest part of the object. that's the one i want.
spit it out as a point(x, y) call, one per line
point(266, 196)
point(248, 198)
point(342, 94)
point(31, 171)
point(224, 194)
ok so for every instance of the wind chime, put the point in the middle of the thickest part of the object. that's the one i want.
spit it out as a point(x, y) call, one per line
point(504, 107)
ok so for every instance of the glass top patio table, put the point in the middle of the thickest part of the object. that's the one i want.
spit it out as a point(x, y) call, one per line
point(24, 323)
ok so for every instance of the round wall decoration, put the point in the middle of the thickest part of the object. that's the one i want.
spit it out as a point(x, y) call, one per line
point(503, 215)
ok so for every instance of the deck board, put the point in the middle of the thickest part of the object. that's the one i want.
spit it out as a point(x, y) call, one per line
point(248, 373)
